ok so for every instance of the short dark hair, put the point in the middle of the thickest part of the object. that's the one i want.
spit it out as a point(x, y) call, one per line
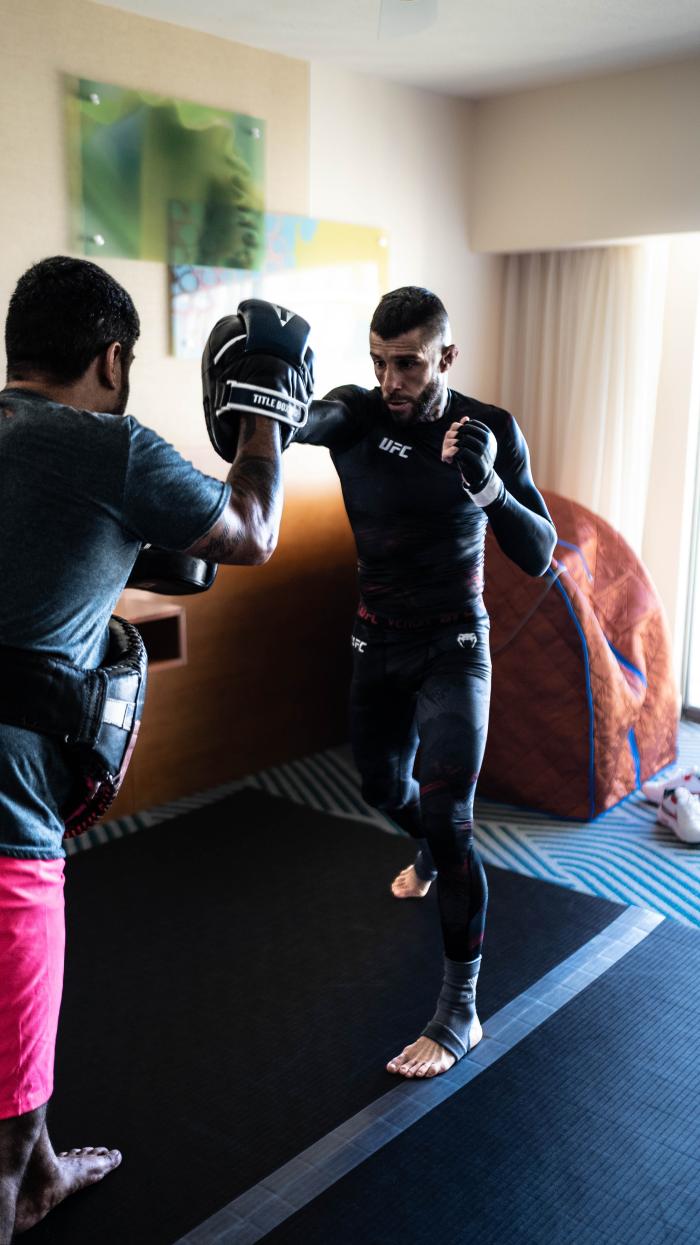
point(407, 308)
point(63, 313)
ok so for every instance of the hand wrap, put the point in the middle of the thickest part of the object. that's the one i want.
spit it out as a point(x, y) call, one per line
point(475, 457)
point(256, 363)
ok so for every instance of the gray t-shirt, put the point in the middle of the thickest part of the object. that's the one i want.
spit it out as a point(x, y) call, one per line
point(79, 494)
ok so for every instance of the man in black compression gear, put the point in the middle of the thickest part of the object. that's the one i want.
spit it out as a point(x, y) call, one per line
point(423, 469)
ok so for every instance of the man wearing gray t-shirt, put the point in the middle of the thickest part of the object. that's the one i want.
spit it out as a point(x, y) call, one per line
point(84, 487)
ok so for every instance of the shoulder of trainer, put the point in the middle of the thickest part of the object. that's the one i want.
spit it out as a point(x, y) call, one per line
point(44, 422)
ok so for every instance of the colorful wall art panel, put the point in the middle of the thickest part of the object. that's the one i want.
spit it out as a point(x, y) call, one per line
point(331, 273)
point(163, 179)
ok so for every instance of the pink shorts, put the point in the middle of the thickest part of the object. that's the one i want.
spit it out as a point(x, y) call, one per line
point(32, 942)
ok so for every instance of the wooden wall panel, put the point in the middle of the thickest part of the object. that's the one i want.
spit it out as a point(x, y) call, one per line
point(268, 664)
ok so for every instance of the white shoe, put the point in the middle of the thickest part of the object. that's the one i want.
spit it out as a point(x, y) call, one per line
point(680, 809)
point(656, 787)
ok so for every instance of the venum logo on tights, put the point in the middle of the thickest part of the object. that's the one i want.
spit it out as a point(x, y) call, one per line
point(395, 447)
point(467, 637)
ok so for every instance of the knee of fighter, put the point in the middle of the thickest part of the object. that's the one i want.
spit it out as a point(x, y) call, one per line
point(440, 823)
point(445, 812)
point(451, 846)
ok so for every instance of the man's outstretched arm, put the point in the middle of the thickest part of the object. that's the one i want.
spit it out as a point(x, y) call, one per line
point(337, 421)
point(329, 423)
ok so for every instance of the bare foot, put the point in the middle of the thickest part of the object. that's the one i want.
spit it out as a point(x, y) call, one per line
point(72, 1171)
point(427, 1058)
point(408, 885)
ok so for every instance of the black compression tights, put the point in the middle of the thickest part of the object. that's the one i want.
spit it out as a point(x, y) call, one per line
point(428, 689)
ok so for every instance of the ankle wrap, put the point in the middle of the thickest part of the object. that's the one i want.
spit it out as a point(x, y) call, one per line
point(456, 1007)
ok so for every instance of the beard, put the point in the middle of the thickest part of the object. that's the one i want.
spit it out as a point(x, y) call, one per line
point(422, 409)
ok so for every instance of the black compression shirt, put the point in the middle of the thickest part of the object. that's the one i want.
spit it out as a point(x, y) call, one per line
point(419, 536)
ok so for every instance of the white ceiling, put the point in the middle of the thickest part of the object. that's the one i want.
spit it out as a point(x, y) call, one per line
point(471, 48)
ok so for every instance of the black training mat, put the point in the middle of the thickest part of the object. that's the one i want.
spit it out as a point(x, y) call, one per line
point(587, 1132)
point(236, 980)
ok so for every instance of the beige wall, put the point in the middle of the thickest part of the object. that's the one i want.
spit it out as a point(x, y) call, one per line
point(607, 158)
point(615, 156)
point(338, 145)
point(401, 159)
point(45, 39)
point(259, 685)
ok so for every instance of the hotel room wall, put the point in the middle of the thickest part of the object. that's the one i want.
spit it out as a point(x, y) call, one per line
point(46, 39)
point(609, 156)
point(268, 654)
point(612, 158)
point(387, 155)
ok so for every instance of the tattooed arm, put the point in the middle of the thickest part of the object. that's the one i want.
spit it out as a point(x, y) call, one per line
point(246, 533)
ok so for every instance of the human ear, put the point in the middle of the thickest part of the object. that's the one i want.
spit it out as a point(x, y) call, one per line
point(110, 366)
point(449, 354)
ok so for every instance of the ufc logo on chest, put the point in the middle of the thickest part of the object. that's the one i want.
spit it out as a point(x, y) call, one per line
point(395, 447)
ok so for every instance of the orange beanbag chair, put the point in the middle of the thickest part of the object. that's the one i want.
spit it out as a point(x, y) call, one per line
point(584, 705)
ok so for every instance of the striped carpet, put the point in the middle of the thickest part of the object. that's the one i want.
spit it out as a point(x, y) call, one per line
point(624, 855)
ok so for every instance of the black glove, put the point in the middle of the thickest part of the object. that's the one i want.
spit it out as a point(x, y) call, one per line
point(476, 454)
point(256, 362)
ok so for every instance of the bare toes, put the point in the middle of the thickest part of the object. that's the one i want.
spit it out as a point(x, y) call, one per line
point(396, 1065)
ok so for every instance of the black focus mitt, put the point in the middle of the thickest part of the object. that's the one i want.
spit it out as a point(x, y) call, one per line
point(257, 362)
point(171, 573)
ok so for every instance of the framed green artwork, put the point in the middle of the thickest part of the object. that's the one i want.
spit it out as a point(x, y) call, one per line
point(164, 179)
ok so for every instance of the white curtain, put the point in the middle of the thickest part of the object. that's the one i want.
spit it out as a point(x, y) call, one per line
point(579, 370)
